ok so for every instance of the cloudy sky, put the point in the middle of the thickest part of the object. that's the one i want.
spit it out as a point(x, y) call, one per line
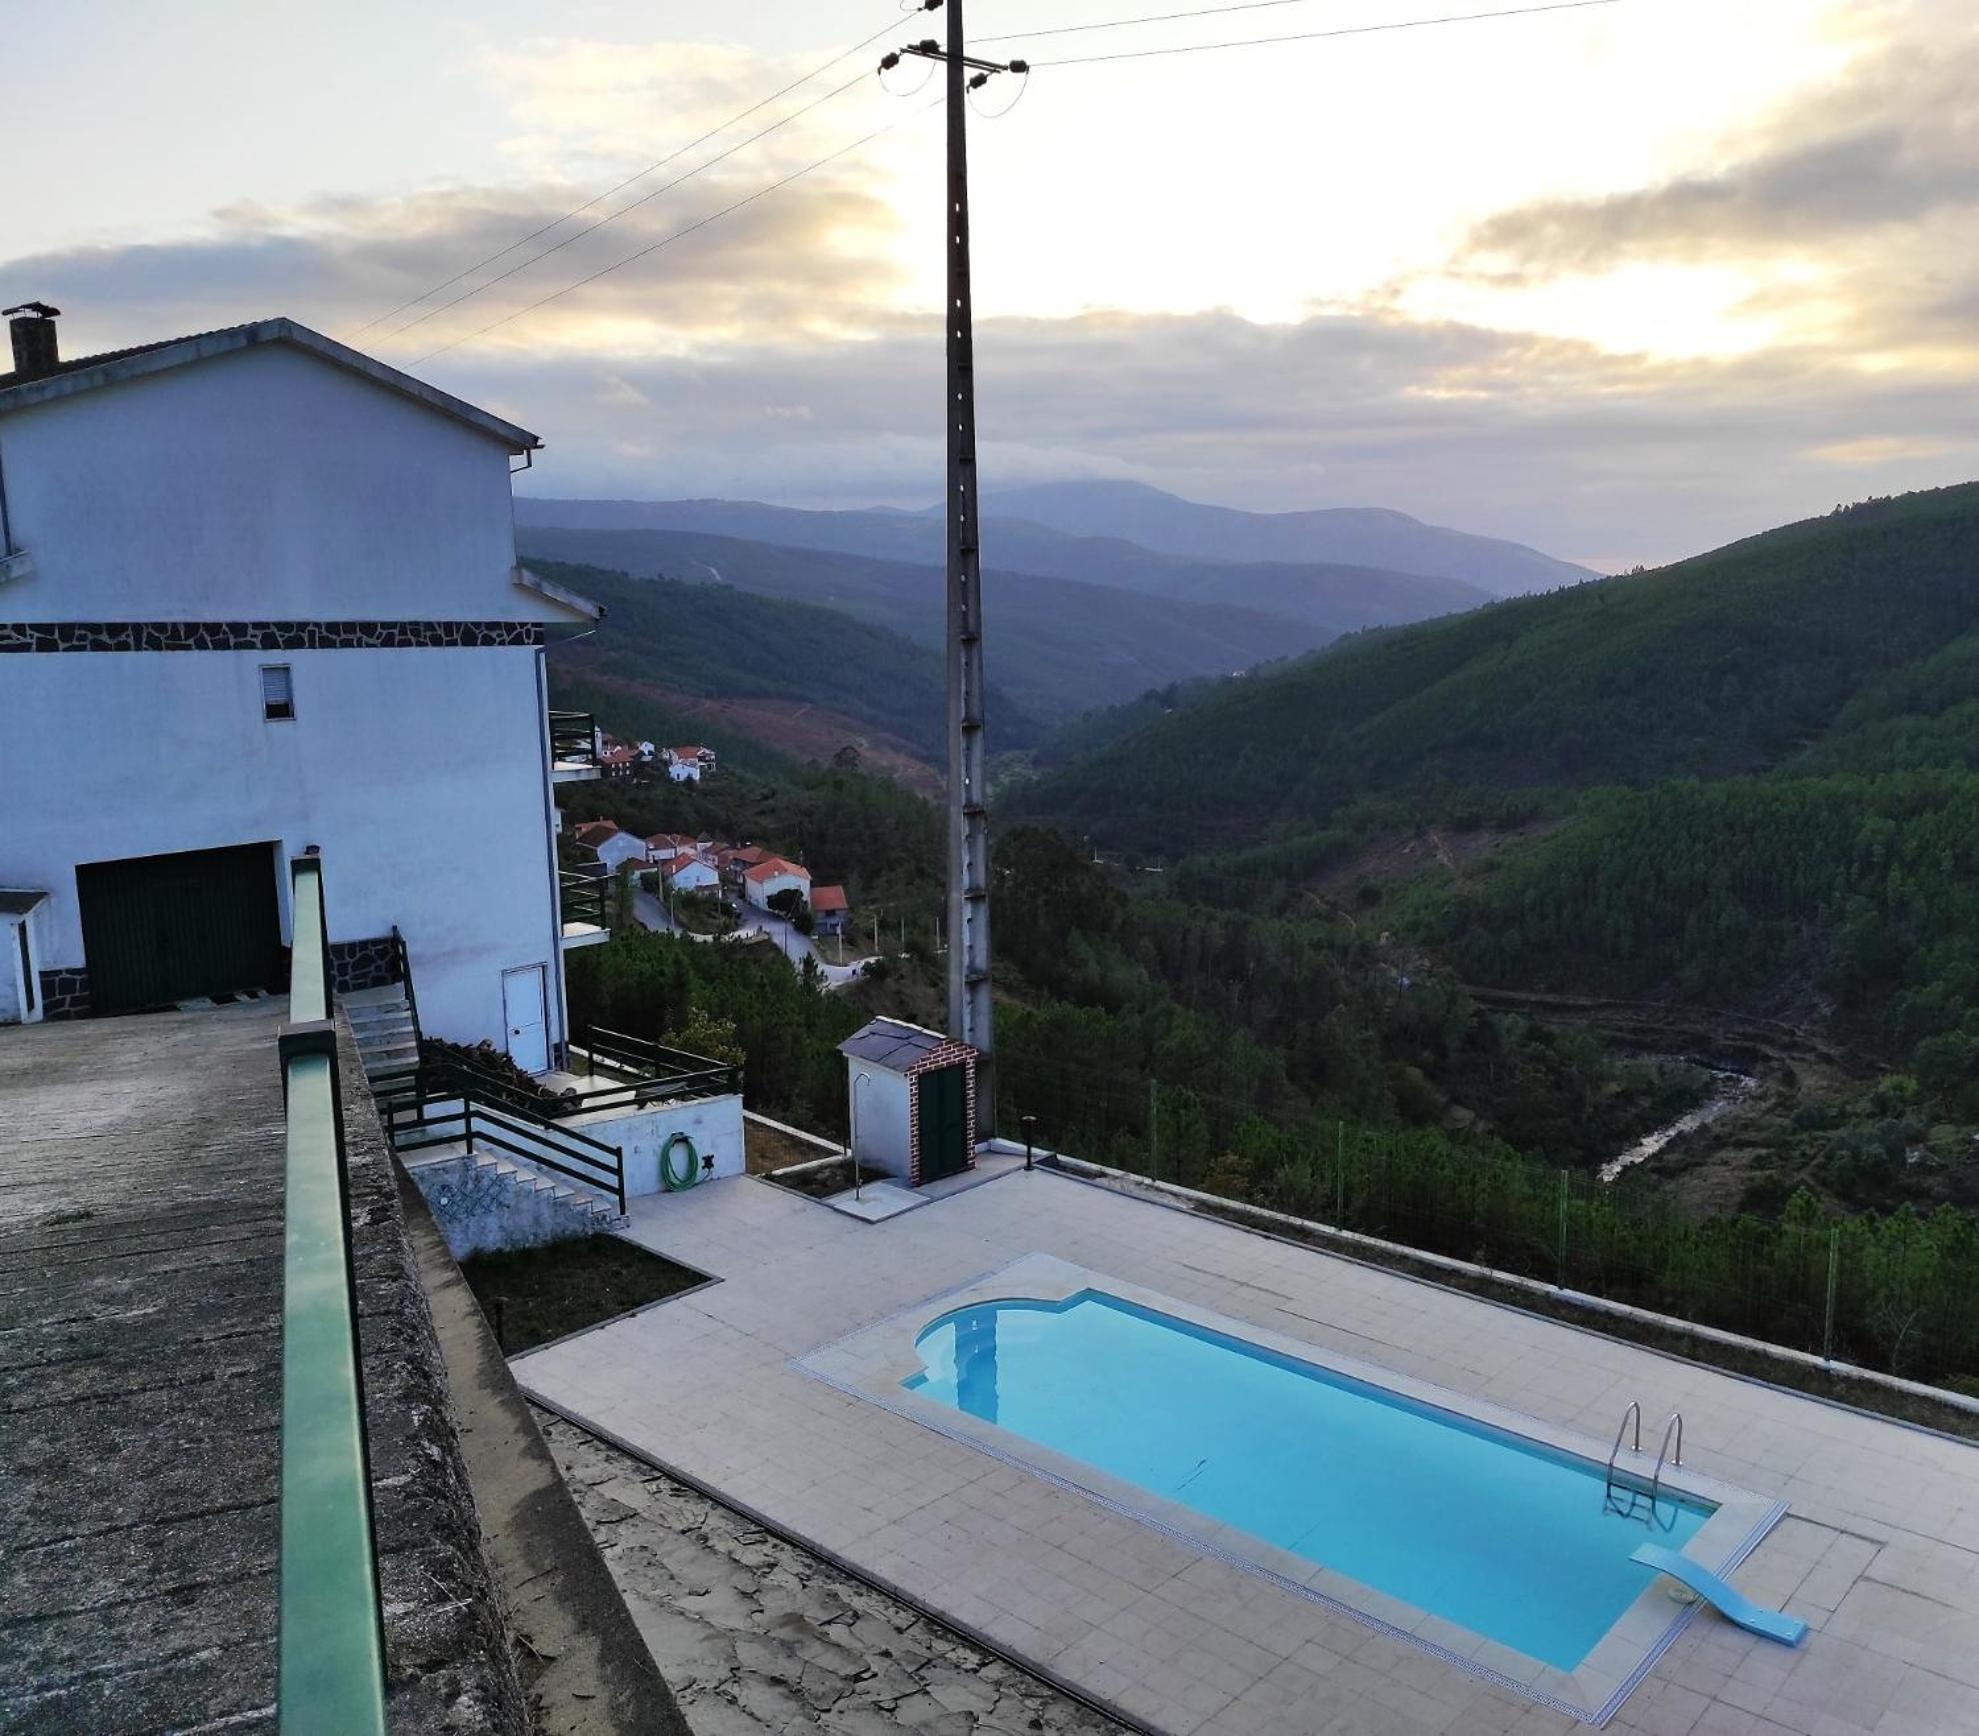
point(1624, 281)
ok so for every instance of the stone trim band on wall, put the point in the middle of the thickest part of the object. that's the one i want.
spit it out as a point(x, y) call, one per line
point(266, 635)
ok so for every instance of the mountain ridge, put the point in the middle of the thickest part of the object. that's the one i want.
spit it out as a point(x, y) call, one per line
point(1115, 555)
point(1056, 646)
point(1725, 664)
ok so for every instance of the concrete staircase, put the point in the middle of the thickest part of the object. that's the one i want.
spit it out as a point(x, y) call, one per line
point(484, 1202)
point(381, 1021)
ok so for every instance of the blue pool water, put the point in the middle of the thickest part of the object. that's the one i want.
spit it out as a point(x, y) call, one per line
point(1488, 1530)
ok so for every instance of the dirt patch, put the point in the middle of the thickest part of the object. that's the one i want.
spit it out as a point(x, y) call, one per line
point(798, 728)
point(765, 1149)
point(532, 1295)
point(1389, 860)
point(828, 1179)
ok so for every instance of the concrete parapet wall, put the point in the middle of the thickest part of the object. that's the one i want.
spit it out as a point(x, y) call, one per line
point(449, 1662)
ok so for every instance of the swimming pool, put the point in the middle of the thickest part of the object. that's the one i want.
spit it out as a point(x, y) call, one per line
point(1499, 1534)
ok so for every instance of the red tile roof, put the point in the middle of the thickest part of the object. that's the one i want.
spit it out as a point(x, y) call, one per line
point(826, 899)
point(771, 866)
point(595, 832)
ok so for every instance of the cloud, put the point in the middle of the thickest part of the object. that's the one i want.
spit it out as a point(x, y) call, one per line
point(339, 263)
point(1851, 212)
point(787, 352)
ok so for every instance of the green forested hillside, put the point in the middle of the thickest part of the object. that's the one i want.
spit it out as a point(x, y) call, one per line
point(711, 639)
point(1727, 664)
point(1758, 771)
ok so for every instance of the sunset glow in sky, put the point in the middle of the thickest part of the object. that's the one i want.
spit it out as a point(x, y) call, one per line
point(1623, 282)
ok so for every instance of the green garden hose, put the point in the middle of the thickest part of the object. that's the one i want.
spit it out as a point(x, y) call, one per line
point(668, 1179)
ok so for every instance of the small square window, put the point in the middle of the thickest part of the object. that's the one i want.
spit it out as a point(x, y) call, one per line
point(277, 693)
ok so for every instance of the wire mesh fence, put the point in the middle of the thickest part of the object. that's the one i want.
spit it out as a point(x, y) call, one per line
point(1895, 1291)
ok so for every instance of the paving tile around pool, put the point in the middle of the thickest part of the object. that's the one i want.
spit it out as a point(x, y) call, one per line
point(873, 1364)
point(1880, 1551)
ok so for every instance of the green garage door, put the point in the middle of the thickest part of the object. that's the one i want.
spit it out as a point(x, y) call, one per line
point(158, 929)
point(944, 1095)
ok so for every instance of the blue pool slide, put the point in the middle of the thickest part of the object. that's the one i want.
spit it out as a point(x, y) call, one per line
point(1770, 1624)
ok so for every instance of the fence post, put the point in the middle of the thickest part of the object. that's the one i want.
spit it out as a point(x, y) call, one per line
point(1834, 1267)
point(1154, 1130)
point(1564, 1181)
point(1340, 1174)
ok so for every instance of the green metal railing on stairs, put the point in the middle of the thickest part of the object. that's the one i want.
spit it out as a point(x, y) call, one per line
point(332, 1645)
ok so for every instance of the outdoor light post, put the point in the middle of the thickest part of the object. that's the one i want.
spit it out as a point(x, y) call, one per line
point(858, 1079)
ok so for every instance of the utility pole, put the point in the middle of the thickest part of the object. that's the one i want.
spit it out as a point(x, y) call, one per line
point(970, 1013)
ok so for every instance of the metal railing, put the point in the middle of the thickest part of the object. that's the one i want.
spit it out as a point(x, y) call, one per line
point(574, 737)
point(446, 1103)
point(332, 1643)
point(584, 898)
point(404, 959)
point(652, 1065)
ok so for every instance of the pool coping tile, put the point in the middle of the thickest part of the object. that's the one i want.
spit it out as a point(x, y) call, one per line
point(872, 1362)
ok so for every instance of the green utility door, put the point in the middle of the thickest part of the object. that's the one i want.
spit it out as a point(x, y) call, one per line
point(944, 1122)
point(158, 929)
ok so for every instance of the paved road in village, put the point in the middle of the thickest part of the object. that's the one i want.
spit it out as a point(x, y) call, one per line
point(651, 911)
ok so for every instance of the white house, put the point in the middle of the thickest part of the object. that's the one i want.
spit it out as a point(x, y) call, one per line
point(610, 845)
point(773, 875)
point(258, 597)
point(692, 873)
point(688, 764)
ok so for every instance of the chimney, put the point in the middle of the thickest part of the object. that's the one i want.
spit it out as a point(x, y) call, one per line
point(32, 325)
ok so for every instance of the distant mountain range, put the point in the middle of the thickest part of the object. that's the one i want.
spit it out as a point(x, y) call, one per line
point(1130, 535)
point(1057, 647)
point(1081, 614)
point(1343, 536)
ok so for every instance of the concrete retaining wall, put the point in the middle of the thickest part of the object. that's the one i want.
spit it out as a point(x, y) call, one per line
point(481, 1209)
point(713, 1123)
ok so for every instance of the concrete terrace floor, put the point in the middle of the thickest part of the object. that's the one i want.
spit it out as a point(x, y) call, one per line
point(1880, 1550)
point(140, 1369)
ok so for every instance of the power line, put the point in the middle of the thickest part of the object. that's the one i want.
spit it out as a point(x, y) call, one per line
point(1152, 18)
point(625, 210)
point(678, 234)
point(651, 168)
point(1319, 35)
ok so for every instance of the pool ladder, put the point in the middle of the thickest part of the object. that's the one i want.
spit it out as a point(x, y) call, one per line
point(1623, 1495)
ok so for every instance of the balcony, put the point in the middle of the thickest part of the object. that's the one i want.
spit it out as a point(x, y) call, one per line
point(583, 902)
point(573, 747)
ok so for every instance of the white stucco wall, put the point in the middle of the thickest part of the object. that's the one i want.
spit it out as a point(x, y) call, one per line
point(693, 877)
point(760, 892)
point(270, 485)
point(393, 759)
point(262, 485)
point(881, 1124)
point(620, 847)
point(713, 1123)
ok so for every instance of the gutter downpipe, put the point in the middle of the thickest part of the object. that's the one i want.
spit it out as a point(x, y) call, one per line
point(561, 1052)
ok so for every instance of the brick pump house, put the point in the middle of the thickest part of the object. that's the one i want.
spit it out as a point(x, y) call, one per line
point(259, 597)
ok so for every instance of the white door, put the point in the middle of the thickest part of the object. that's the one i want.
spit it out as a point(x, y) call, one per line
point(526, 1013)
